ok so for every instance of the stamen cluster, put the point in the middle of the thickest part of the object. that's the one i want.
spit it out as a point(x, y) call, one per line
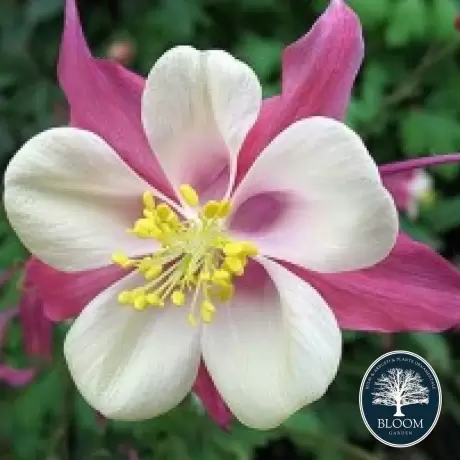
point(196, 257)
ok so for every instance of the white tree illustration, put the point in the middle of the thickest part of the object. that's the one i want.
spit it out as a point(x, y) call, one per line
point(399, 387)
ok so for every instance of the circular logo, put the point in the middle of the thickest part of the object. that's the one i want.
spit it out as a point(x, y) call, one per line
point(400, 399)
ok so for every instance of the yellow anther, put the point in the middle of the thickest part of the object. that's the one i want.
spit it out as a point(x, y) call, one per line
point(233, 249)
point(206, 316)
point(155, 232)
point(178, 298)
point(121, 259)
point(138, 292)
point(148, 200)
point(173, 220)
point(249, 249)
point(208, 306)
point(204, 276)
point(154, 299)
point(142, 228)
point(166, 229)
point(146, 228)
point(211, 209)
point(153, 271)
point(195, 257)
point(189, 195)
point(125, 297)
point(225, 292)
point(148, 213)
point(140, 302)
point(225, 206)
point(191, 319)
point(144, 264)
point(234, 264)
point(164, 212)
point(221, 276)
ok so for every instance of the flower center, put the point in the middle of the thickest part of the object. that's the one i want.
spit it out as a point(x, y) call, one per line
point(196, 258)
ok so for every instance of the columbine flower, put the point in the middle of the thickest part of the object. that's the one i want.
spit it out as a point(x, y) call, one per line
point(410, 189)
point(203, 278)
point(412, 289)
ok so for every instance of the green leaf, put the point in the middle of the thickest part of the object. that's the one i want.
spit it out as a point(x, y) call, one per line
point(442, 18)
point(420, 232)
point(262, 54)
point(304, 420)
point(42, 10)
point(424, 131)
point(435, 349)
point(368, 103)
point(371, 13)
point(408, 22)
point(183, 14)
point(445, 215)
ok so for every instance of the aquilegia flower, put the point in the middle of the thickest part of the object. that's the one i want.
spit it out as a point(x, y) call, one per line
point(205, 276)
point(412, 289)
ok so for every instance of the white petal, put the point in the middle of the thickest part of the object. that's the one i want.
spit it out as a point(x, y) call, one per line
point(71, 199)
point(336, 214)
point(132, 365)
point(197, 109)
point(272, 351)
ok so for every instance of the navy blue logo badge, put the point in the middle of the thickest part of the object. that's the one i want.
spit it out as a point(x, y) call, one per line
point(400, 399)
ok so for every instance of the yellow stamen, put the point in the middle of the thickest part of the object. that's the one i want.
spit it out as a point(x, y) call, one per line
point(125, 297)
point(234, 264)
point(206, 316)
point(166, 229)
point(189, 195)
point(148, 200)
point(233, 249)
point(211, 208)
point(191, 319)
point(195, 258)
point(138, 292)
point(220, 276)
point(225, 206)
point(178, 298)
point(225, 292)
point(208, 306)
point(153, 271)
point(144, 264)
point(205, 276)
point(154, 299)
point(140, 303)
point(121, 259)
point(164, 212)
point(249, 249)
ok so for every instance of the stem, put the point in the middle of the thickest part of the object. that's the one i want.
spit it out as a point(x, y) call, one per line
point(68, 431)
point(409, 87)
point(67, 414)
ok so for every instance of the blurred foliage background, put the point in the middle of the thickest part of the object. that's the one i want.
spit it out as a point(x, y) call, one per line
point(406, 103)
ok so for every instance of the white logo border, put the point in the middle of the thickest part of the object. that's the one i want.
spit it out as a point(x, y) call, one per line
point(361, 388)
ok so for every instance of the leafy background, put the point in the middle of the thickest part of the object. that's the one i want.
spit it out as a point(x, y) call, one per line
point(406, 103)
